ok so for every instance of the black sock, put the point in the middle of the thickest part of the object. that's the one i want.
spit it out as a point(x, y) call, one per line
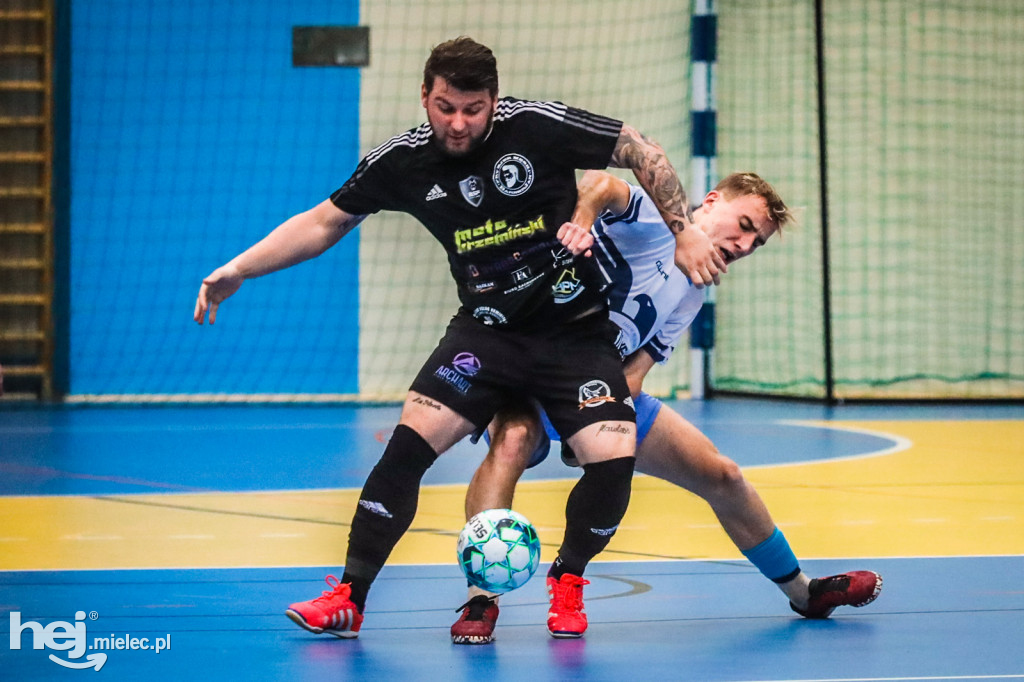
point(387, 506)
point(595, 507)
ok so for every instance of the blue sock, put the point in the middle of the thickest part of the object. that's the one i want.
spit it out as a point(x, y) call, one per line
point(774, 558)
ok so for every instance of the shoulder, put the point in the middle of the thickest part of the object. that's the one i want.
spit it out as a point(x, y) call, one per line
point(400, 145)
point(510, 108)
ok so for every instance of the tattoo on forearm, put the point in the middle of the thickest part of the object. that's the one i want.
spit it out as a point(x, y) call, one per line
point(420, 400)
point(656, 175)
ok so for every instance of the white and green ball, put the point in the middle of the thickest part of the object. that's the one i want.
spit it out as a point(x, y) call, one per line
point(498, 550)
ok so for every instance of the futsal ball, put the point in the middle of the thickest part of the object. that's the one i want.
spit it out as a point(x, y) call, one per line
point(498, 550)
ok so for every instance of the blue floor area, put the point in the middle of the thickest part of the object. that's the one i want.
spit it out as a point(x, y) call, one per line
point(108, 450)
point(937, 618)
point(708, 621)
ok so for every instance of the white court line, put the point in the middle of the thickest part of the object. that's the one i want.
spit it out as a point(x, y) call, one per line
point(899, 443)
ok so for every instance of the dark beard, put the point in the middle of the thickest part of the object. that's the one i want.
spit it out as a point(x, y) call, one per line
point(473, 145)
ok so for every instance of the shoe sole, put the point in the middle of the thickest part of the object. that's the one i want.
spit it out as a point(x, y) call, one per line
point(472, 639)
point(825, 614)
point(565, 635)
point(297, 618)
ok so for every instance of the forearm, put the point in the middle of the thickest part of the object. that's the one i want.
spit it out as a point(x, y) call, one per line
point(598, 191)
point(301, 237)
point(655, 174)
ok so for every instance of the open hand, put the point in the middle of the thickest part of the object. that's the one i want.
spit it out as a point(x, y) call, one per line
point(219, 285)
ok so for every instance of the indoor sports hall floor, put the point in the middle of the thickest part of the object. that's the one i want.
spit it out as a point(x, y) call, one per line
point(197, 526)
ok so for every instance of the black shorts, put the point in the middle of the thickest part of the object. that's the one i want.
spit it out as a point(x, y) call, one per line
point(572, 369)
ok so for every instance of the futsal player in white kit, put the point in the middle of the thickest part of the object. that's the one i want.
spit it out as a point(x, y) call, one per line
point(652, 303)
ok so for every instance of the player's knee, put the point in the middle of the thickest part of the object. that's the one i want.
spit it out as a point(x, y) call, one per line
point(513, 445)
point(724, 478)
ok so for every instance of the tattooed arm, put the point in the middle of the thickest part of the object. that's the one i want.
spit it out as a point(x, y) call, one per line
point(697, 257)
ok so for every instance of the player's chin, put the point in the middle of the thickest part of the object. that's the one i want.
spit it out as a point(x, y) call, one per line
point(458, 147)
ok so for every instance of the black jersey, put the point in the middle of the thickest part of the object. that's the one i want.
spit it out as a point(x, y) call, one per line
point(497, 210)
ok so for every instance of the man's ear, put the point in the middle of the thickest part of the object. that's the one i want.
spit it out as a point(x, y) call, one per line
point(423, 95)
point(710, 198)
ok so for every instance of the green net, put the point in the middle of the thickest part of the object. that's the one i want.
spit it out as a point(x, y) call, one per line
point(925, 149)
point(193, 135)
point(625, 60)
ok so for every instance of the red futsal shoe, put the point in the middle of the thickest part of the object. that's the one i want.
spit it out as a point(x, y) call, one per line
point(567, 618)
point(856, 588)
point(332, 612)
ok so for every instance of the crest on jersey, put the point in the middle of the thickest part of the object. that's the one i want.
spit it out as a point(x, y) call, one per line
point(472, 189)
point(513, 174)
point(594, 393)
point(489, 316)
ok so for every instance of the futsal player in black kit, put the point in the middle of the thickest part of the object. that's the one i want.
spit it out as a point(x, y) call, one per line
point(493, 180)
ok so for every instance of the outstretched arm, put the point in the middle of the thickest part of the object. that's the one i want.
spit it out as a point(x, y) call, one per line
point(700, 261)
point(297, 239)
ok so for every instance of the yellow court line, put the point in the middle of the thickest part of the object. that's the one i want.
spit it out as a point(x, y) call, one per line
point(956, 489)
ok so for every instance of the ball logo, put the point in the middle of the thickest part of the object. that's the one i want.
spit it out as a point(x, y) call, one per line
point(513, 174)
point(594, 393)
point(466, 364)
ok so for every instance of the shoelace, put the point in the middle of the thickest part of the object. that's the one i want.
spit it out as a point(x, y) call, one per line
point(570, 594)
point(477, 606)
point(835, 583)
point(329, 594)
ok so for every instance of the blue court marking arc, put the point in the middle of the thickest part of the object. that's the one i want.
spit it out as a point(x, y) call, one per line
point(123, 450)
point(193, 450)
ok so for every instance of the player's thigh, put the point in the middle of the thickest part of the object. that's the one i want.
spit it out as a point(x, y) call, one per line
point(439, 425)
point(677, 451)
point(604, 441)
point(469, 372)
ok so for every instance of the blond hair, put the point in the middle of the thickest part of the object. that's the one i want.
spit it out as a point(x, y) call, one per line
point(741, 184)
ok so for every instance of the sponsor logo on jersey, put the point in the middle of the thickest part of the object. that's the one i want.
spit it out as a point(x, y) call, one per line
point(494, 233)
point(524, 285)
point(513, 174)
point(472, 189)
point(481, 287)
point(453, 378)
point(489, 316)
point(466, 364)
point(522, 274)
point(567, 287)
point(629, 401)
point(595, 392)
point(661, 269)
point(436, 193)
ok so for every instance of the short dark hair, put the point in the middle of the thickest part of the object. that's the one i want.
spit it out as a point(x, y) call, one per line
point(465, 64)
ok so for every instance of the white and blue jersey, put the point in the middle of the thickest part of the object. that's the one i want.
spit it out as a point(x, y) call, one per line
point(651, 300)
